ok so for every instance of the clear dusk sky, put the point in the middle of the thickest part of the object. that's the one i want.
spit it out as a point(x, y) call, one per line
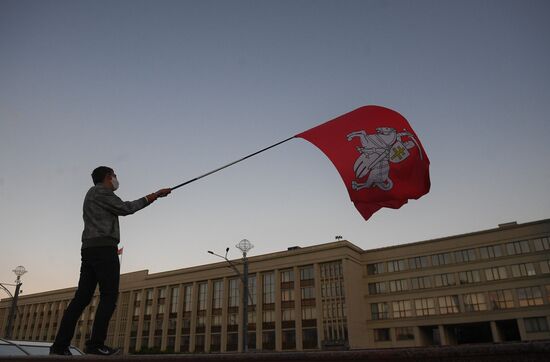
point(164, 91)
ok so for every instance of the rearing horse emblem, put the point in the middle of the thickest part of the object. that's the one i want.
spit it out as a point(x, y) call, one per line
point(377, 152)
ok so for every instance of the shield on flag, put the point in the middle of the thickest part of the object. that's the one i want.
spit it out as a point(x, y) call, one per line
point(398, 152)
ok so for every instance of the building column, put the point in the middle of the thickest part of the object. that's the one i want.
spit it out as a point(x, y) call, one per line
point(259, 311)
point(193, 327)
point(298, 309)
point(418, 337)
point(318, 305)
point(179, 319)
point(278, 317)
point(142, 306)
point(240, 317)
point(225, 301)
point(28, 332)
point(130, 318)
point(495, 332)
point(522, 332)
point(443, 335)
point(208, 328)
point(51, 310)
point(167, 308)
point(154, 312)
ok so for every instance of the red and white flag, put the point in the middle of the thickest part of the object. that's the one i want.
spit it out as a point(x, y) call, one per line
point(378, 155)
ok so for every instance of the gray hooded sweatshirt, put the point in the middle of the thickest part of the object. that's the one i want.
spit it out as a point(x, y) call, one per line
point(101, 211)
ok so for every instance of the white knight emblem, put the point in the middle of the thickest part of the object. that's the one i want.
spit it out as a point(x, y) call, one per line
point(377, 152)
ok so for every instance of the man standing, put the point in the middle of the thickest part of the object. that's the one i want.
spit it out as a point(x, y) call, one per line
point(100, 264)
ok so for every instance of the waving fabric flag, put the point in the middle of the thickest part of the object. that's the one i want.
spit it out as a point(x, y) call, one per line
point(378, 156)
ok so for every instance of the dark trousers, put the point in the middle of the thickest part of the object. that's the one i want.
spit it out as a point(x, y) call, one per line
point(101, 266)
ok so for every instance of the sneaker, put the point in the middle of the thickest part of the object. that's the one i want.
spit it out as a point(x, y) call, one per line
point(60, 351)
point(101, 350)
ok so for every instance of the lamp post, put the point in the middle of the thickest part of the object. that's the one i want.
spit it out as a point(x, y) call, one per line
point(19, 271)
point(244, 246)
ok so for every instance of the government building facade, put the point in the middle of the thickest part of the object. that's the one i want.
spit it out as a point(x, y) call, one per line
point(482, 287)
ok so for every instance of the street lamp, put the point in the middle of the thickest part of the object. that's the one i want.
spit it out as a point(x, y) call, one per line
point(244, 246)
point(19, 271)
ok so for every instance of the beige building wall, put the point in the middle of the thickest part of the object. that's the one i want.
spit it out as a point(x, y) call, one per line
point(488, 286)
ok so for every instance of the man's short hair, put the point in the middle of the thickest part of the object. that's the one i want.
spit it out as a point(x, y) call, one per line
point(99, 174)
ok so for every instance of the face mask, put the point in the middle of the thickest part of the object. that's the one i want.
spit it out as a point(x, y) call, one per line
point(115, 183)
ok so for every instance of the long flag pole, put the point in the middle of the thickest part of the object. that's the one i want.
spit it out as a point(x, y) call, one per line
point(231, 164)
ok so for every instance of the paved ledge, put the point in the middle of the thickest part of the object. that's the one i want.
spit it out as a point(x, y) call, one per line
point(508, 352)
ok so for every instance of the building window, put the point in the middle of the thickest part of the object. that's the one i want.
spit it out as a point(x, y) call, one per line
point(421, 282)
point(268, 340)
point(199, 343)
point(331, 270)
point(268, 288)
point(542, 244)
point(418, 262)
point(174, 295)
point(289, 339)
point(474, 302)
point(217, 293)
point(517, 247)
point(545, 266)
point(536, 324)
point(523, 270)
point(308, 292)
point(448, 304)
point(287, 295)
point(215, 342)
point(445, 280)
point(233, 293)
point(464, 256)
point(306, 273)
point(377, 268)
point(501, 299)
point(530, 296)
point(402, 309)
point(288, 315)
point(377, 288)
point(381, 334)
point(309, 338)
point(397, 265)
point(424, 307)
point(308, 313)
point(468, 277)
point(203, 290)
point(442, 259)
point(149, 302)
point(404, 333)
point(379, 310)
point(232, 342)
point(268, 316)
point(287, 276)
point(490, 252)
point(398, 285)
point(496, 273)
point(188, 295)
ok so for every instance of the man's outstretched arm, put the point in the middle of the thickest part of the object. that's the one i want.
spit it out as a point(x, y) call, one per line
point(111, 202)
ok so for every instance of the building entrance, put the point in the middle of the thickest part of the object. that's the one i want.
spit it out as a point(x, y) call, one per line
point(508, 330)
point(470, 333)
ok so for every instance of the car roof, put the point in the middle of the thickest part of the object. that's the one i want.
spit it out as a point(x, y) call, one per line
point(27, 343)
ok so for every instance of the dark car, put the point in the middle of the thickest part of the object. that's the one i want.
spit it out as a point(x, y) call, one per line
point(28, 348)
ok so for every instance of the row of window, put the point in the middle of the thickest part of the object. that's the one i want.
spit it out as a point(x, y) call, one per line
point(460, 256)
point(450, 304)
point(460, 278)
